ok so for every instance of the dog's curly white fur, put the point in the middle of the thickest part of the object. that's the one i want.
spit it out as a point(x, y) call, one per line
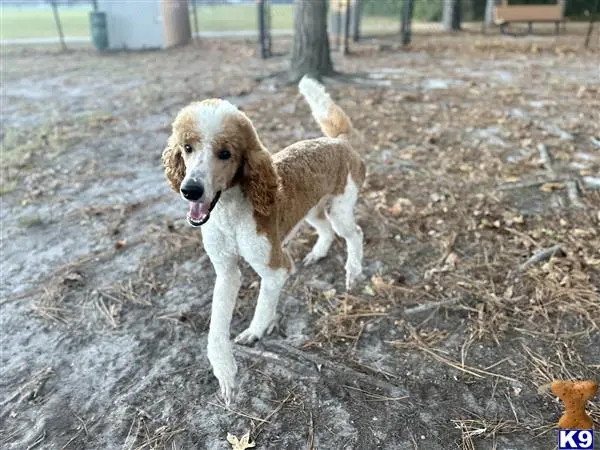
point(256, 201)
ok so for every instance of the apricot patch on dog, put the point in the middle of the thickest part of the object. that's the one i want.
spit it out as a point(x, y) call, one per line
point(575, 395)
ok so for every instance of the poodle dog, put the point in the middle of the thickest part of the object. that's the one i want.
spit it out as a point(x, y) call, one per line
point(250, 202)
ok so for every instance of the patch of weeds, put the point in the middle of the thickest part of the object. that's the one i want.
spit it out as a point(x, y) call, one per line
point(6, 187)
point(17, 147)
point(30, 220)
point(51, 304)
point(94, 119)
point(144, 434)
point(482, 428)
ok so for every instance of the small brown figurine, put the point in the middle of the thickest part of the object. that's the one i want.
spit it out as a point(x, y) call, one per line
point(575, 395)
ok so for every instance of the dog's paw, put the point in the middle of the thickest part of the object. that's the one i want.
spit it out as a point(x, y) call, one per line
point(228, 389)
point(312, 257)
point(353, 275)
point(253, 334)
point(220, 355)
point(226, 376)
point(247, 337)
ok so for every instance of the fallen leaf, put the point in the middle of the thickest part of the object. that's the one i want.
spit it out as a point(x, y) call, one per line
point(240, 444)
point(380, 284)
point(487, 224)
point(329, 294)
point(399, 206)
point(517, 391)
point(369, 290)
point(435, 197)
point(452, 259)
point(549, 187)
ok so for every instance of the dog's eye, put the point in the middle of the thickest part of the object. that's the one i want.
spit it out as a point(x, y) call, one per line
point(188, 148)
point(224, 154)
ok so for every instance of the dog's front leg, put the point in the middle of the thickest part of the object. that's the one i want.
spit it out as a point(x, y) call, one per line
point(220, 348)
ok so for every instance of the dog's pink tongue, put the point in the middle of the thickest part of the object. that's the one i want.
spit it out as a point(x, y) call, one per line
point(199, 211)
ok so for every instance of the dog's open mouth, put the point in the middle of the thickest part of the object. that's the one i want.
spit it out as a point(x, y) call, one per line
point(199, 213)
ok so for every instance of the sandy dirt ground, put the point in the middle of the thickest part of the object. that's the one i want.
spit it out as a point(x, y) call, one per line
point(482, 151)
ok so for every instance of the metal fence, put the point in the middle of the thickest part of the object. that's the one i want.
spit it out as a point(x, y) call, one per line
point(33, 21)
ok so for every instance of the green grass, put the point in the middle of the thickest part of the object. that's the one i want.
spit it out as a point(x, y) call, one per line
point(39, 22)
point(28, 22)
point(240, 17)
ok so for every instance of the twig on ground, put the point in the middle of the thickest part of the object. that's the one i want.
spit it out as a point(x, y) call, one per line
point(465, 435)
point(337, 367)
point(81, 429)
point(573, 194)
point(356, 80)
point(160, 438)
point(420, 345)
point(591, 183)
point(377, 397)
point(448, 362)
point(105, 311)
point(311, 433)
point(31, 389)
point(70, 441)
point(522, 235)
point(528, 184)
point(512, 407)
point(542, 255)
point(238, 413)
point(431, 305)
point(483, 428)
point(545, 157)
point(360, 332)
point(266, 76)
point(256, 432)
point(39, 440)
point(376, 370)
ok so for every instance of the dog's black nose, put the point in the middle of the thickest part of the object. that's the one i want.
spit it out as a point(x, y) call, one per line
point(192, 191)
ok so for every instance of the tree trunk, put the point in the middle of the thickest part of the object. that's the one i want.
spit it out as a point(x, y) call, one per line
point(451, 15)
point(336, 23)
point(177, 29)
point(406, 21)
point(588, 35)
point(356, 11)
point(489, 12)
point(468, 12)
point(310, 47)
point(347, 23)
point(264, 27)
point(195, 16)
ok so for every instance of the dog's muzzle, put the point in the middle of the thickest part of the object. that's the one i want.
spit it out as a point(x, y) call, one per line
point(199, 213)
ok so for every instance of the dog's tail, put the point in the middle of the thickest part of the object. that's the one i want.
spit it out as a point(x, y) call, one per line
point(332, 119)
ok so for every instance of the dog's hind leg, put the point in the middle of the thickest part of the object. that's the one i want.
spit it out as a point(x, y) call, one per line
point(317, 218)
point(273, 272)
point(341, 215)
point(265, 315)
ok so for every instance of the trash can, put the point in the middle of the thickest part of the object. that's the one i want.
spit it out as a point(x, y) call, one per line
point(98, 30)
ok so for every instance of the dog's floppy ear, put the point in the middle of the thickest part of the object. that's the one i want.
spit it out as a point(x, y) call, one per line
point(174, 166)
point(260, 180)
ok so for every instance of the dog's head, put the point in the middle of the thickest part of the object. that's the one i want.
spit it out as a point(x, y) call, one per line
point(214, 146)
